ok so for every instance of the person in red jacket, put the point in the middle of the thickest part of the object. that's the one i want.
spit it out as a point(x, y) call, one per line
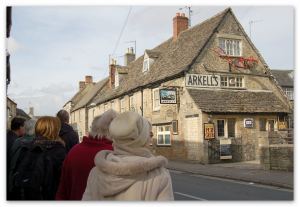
point(80, 159)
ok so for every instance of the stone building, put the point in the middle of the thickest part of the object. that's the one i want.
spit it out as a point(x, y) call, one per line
point(205, 90)
point(20, 113)
point(11, 111)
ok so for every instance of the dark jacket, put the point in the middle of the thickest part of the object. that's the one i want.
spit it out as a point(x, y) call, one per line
point(67, 134)
point(10, 139)
point(58, 155)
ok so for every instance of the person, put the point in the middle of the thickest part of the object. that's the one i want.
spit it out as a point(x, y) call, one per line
point(15, 150)
point(80, 159)
point(47, 135)
point(16, 130)
point(131, 172)
point(66, 132)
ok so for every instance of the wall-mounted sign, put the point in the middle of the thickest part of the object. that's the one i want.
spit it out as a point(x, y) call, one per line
point(209, 131)
point(248, 122)
point(281, 125)
point(199, 80)
point(225, 149)
point(167, 96)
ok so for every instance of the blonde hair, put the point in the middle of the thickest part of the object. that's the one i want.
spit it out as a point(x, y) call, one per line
point(48, 127)
point(100, 125)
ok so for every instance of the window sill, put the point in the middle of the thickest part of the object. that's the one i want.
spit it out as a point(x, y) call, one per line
point(160, 145)
point(155, 110)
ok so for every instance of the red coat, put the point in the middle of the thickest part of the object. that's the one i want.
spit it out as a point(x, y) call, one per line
point(77, 166)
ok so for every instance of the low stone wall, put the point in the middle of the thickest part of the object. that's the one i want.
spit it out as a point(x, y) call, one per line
point(282, 157)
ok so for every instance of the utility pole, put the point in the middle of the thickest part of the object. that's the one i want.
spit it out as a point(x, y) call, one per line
point(251, 22)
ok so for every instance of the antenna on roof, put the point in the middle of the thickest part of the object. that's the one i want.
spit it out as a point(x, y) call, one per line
point(134, 45)
point(190, 13)
point(251, 22)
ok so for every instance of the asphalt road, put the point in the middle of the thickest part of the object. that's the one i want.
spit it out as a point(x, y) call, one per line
point(201, 188)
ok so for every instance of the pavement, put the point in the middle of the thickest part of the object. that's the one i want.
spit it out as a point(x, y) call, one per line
point(248, 171)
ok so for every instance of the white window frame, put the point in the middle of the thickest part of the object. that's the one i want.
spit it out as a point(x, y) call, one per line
point(238, 82)
point(131, 103)
point(105, 107)
point(224, 128)
point(289, 92)
point(156, 99)
point(94, 113)
point(122, 105)
point(232, 47)
point(116, 79)
point(268, 128)
point(163, 133)
point(113, 105)
point(147, 62)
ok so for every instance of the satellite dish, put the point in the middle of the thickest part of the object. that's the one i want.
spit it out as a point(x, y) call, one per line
point(236, 64)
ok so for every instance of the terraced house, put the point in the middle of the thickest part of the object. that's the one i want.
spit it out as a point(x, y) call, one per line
point(204, 88)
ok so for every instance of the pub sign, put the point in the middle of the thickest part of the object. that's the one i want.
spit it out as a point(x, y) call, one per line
point(209, 131)
point(167, 96)
point(202, 80)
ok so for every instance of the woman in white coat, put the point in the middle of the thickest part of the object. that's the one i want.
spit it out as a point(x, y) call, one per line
point(131, 171)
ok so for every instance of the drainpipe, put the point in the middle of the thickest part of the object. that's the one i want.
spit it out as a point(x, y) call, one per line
point(141, 107)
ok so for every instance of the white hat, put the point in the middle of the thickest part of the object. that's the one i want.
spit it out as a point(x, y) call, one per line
point(130, 129)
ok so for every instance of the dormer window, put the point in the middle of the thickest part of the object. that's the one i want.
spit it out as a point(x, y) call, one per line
point(116, 79)
point(230, 46)
point(146, 65)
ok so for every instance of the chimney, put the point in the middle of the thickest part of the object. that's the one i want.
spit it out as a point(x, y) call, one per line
point(81, 84)
point(180, 23)
point(112, 69)
point(89, 79)
point(129, 56)
point(31, 111)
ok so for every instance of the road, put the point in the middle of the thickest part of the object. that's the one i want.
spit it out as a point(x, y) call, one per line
point(202, 188)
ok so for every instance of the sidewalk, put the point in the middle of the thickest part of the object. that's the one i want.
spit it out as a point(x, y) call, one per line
point(241, 171)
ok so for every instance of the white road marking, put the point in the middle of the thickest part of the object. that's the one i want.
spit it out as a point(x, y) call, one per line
point(201, 199)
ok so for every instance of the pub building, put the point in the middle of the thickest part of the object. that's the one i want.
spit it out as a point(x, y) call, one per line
point(207, 92)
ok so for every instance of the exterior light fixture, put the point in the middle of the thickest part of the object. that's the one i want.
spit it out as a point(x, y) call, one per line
point(209, 119)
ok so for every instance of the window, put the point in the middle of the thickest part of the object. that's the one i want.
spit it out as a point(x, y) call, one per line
point(262, 124)
point(231, 47)
point(175, 127)
point(271, 125)
point(163, 135)
point(231, 127)
point(113, 105)
point(105, 107)
point(221, 127)
point(131, 103)
point(232, 82)
point(146, 65)
point(122, 106)
point(156, 104)
point(93, 113)
point(116, 79)
point(80, 136)
point(289, 92)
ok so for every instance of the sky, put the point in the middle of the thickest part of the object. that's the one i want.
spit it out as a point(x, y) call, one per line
point(53, 47)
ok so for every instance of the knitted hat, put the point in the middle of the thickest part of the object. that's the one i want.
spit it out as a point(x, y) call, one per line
point(130, 129)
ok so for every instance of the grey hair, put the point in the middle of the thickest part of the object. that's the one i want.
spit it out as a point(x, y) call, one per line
point(100, 125)
point(30, 127)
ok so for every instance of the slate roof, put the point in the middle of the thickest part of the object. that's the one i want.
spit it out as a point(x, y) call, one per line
point(283, 77)
point(226, 101)
point(174, 57)
point(152, 54)
point(81, 93)
point(122, 69)
point(22, 113)
point(91, 93)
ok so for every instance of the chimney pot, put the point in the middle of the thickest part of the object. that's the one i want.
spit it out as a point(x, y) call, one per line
point(177, 14)
point(131, 50)
point(127, 50)
point(111, 61)
point(183, 15)
point(115, 62)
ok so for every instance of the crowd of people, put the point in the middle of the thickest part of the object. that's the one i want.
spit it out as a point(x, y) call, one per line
point(45, 160)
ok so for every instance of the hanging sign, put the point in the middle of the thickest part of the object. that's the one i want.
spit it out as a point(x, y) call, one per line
point(248, 122)
point(225, 149)
point(209, 131)
point(167, 96)
point(282, 125)
point(200, 80)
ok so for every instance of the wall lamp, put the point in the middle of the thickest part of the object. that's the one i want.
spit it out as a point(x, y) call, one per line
point(209, 119)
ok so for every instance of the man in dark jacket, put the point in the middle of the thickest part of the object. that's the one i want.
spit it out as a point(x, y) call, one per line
point(16, 130)
point(66, 132)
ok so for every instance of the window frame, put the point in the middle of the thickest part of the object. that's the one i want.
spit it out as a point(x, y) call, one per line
point(122, 105)
point(163, 133)
point(224, 127)
point(105, 107)
point(156, 99)
point(289, 92)
point(260, 125)
point(116, 79)
point(229, 125)
point(237, 80)
point(131, 103)
point(113, 105)
point(146, 60)
point(233, 48)
point(269, 129)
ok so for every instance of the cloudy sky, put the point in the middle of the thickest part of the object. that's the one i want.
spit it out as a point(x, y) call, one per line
point(54, 47)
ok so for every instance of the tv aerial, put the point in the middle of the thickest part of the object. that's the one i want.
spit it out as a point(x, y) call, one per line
point(190, 13)
point(251, 22)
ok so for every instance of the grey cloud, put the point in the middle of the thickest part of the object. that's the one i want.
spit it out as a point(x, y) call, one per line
point(67, 59)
